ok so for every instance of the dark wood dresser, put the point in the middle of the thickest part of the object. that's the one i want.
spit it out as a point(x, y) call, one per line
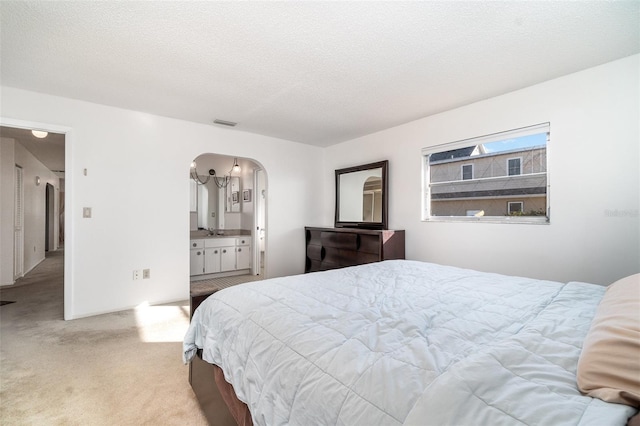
point(331, 248)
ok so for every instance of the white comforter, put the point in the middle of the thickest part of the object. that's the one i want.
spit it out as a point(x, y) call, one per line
point(403, 342)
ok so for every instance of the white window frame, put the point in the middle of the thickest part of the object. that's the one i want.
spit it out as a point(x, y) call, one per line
point(462, 171)
point(510, 203)
point(494, 137)
point(509, 168)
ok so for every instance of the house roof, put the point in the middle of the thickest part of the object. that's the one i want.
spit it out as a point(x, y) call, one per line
point(312, 72)
point(454, 153)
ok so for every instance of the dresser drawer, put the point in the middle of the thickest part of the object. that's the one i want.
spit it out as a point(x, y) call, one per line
point(369, 244)
point(315, 252)
point(349, 257)
point(339, 240)
point(331, 248)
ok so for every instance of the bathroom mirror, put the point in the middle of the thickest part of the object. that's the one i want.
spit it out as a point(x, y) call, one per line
point(362, 196)
point(205, 205)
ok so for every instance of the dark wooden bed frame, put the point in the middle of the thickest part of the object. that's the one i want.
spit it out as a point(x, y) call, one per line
point(202, 377)
point(202, 380)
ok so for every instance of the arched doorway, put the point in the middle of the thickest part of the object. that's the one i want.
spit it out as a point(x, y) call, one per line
point(227, 218)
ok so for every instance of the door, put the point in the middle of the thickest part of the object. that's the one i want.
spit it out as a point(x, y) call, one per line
point(18, 224)
point(50, 218)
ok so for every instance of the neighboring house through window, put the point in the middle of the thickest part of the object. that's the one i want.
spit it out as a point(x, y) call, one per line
point(500, 177)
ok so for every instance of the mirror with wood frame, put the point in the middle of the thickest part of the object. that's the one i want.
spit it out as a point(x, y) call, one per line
point(362, 196)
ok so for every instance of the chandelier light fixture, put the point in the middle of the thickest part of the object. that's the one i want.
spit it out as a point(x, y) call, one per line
point(221, 182)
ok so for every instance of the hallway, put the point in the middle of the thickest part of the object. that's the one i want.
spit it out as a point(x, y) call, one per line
point(42, 286)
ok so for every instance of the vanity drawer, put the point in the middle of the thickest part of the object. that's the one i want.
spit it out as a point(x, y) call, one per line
point(220, 242)
point(196, 244)
point(243, 241)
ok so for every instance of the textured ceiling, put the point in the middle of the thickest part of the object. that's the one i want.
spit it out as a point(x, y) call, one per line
point(312, 72)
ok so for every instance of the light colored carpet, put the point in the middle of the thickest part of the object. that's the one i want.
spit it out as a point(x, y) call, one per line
point(123, 368)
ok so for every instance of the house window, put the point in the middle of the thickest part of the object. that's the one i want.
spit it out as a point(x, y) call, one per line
point(515, 207)
point(467, 171)
point(472, 179)
point(514, 166)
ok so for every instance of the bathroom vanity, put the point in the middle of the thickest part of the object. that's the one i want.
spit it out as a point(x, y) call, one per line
point(213, 256)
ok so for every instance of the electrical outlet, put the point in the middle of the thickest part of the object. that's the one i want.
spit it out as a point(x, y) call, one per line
point(146, 274)
point(136, 274)
point(86, 212)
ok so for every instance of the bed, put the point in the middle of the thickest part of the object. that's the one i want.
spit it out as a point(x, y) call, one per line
point(404, 342)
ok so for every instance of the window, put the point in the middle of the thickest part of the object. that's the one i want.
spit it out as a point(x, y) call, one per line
point(513, 165)
point(467, 171)
point(475, 179)
point(515, 207)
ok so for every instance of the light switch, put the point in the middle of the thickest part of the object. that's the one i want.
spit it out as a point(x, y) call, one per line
point(86, 212)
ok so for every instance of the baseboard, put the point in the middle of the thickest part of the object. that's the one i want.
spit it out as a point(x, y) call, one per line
point(111, 311)
point(23, 274)
point(33, 267)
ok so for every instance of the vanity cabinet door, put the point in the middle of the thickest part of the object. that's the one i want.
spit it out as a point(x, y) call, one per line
point(212, 260)
point(197, 261)
point(243, 257)
point(227, 258)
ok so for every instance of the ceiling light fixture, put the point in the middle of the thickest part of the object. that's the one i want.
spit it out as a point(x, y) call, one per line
point(236, 167)
point(225, 122)
point(221, 182)
point(40, 134)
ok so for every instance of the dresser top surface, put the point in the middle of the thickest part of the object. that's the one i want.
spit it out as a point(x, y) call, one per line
point(354, 230)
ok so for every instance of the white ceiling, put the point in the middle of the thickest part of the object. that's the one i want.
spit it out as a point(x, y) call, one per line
point(312, 72)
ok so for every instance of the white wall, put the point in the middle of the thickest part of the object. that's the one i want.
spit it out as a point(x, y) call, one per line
point(7, 164)
point(34, 207)
point(594, 160)
point(136, 167)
